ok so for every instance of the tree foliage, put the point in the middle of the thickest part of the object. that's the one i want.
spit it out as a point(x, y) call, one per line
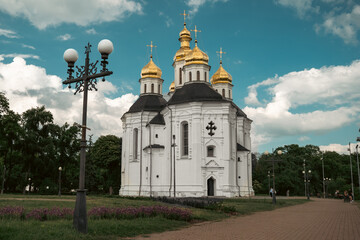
point(290, 166)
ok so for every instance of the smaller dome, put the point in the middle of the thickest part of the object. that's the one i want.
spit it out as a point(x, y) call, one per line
point(196, 56)
point(151, 70)
point(184, 32)
point(221, 76)
point(172, 87)
point(181, 54)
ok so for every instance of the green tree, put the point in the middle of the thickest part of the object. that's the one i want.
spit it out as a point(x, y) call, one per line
point(103, 165)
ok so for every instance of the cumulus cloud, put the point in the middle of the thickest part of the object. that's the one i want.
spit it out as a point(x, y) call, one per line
point(64, 37)
point(196, 4)
point(345, 25)
point(341, 149)
point(333, 89)
point(302, 7)
point(8, 33)
point(14, 55)
point(29, 86)
point(44, 13)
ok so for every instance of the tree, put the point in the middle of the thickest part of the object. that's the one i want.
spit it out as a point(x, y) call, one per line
point(103, 167)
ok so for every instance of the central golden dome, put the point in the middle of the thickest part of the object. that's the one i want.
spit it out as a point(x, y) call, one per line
point(184, 39)
point(221, 76)
point(151, 70)
point(196, 56)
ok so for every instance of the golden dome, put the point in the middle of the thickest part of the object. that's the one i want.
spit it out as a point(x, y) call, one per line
point(221, 76)
point(172, 87)
point(196, 56)
point(184, 32)
point(151, 70)
point(184, 39)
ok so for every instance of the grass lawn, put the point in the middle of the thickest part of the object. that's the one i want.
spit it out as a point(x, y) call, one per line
point(112, 228)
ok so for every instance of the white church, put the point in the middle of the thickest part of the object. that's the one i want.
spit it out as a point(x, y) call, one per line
point(191, 142)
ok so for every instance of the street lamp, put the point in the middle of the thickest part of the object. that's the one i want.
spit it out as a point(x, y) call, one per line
point(60, 169)
point(323, 173)
point(86, 80)
point(352, 181)
point(279, 152)
point(304, 172)
point(269, 179)
point(29, 185)
point(307, 182)
point(327, 180)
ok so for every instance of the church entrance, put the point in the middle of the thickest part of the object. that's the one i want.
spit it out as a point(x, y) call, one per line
point(211, 186)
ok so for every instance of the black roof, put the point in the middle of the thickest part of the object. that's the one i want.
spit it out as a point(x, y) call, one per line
point(241, 148)
point(158, 119)
point(152, 103)
point(195, 92)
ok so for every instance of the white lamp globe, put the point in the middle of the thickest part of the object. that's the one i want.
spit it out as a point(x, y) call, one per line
point(60, 168)
point(266, 153)
point(105, 47)
point(279, 152)
point(71, 55)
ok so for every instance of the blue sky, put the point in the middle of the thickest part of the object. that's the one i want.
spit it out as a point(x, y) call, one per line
point(295, 63)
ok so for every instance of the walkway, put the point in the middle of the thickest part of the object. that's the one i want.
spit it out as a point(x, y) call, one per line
point(319, 219)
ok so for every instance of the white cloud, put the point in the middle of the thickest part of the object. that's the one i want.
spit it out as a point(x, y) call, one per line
point(8, 33)
point(303, 138)
point(64, 37)
point(333, 89)
point(29, 86)
point(45, 13)
point(91, 31)
point(302, 7)
point(344, 25)
point(196, 4)
point(14, 55)
point(341, 149)
point(28, 46)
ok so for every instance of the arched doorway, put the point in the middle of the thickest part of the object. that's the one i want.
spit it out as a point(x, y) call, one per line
point(211, 186)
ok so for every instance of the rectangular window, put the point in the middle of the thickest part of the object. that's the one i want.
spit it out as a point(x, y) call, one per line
point(185, 139)
point(135, 143)
point(210, 151)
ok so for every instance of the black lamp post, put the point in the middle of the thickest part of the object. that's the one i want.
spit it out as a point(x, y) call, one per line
point(327, 180)
point(269, 179)
point(59, 193)
point(86, 80)
point(273, 160)
point(307, 177)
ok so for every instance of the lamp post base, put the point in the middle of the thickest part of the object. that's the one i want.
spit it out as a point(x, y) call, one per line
point(80, 214)
point(274, 198)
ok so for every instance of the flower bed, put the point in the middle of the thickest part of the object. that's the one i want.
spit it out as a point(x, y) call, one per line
point(43, 214)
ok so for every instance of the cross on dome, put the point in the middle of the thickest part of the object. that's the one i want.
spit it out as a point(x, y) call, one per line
point(195, 31)
point(221, 53)
point(151, 47)
point(184, 14)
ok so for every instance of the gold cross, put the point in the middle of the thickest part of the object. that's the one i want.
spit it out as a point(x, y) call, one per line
point(151, 47)
point(184, 14)
point(196, 31)
point(221, 53)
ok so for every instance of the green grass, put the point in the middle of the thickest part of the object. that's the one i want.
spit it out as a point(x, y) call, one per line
point(113, 229)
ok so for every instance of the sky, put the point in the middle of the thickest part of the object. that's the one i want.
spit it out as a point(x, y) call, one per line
point(295, 63)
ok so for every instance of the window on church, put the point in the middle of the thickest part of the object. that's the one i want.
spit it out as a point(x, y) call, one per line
point(180, 76)
point(145, 88)
point(190, 77)
point(152, 88)
point(223, 92)
point(210, 151)
point(135, 143)
point(229, 94)
point(159, 88)
point(205, 76)
point(185, 139)
point(198, 75)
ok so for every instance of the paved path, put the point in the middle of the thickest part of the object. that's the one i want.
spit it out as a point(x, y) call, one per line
point(318, 219)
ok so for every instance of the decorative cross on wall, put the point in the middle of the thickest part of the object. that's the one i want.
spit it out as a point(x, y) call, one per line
point(211, 127)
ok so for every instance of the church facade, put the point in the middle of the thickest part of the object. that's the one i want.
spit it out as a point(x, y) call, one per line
point(196, 143)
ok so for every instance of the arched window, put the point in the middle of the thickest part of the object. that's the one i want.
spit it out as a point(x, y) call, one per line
point(205, 76)
point(210, 151)
point(185, 139)
point(216, 90)
point(223, 92)
point(180, 76)
point(145, 88)
point(159, 89)
point(198, 75)
point(135, 143)
point(152, 88)
point(190, 77)
point(229, 94)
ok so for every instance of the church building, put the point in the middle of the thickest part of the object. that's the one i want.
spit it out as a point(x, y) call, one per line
point(191, 142)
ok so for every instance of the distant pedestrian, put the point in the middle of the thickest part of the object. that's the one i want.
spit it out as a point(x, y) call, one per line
point(288, 193)
point(271, 192)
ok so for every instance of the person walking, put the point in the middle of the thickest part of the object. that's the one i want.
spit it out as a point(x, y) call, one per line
point(271, 192)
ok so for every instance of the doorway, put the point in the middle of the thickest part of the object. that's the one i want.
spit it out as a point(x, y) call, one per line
point(211, 186)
